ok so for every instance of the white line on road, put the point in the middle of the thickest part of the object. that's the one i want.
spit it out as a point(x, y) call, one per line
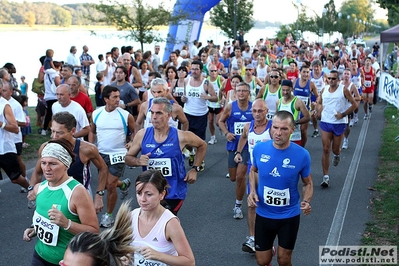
point(340, 212)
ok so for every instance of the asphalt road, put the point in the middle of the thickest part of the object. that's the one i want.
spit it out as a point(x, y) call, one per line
point(338, 217)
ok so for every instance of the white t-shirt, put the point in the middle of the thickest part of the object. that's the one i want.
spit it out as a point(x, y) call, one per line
point(76, 110)
point(101, 66)
point(193, 51)
point(19, 116)
point(73, 60)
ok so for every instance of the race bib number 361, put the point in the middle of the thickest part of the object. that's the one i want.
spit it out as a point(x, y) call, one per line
point(276, 197)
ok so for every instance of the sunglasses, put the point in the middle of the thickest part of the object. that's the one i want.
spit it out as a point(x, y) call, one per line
point(213, 71)
point(248, 69)
point(331, 78)
point(274, 77)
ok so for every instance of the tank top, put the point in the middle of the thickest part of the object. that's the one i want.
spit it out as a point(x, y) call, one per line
point(271, 99)
point(168, 158)
point(155, 239)
point(147, 121)
point(252, 88)
point(51, 247)
point(228, 86)
point(216, 85)
point(319, 82)
point(356, 79)
point(348, 103)
point(195, 105)
point(290, 107)
point(254, 138)
point(261, 73)
point(236, 122)
point(334, 102)
point(303, 93)
point(111, 124)
point(78, 170)
point(7, 138)
point(368, 78)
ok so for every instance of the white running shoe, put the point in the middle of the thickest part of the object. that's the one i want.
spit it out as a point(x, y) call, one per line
point(249, 245)
point(106, 221)
point(356, 118)
point(345, 144)
point(238, 213)
point(212, 141)
point(326, 181)
point(351, 123)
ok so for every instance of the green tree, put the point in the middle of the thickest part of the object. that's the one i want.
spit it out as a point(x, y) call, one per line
point(222, 16)
point(139, 20)
point(357, 10)
point(62, 17)
point(30, 18)
point(393, 10)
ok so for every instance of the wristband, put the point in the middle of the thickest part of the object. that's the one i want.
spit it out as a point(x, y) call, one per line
point(343, 114)
point(3, 125)
point(225, 134)
point(69, 225)
point(306, 201)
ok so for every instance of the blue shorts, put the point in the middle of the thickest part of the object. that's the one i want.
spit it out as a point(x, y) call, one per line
point(336, 129)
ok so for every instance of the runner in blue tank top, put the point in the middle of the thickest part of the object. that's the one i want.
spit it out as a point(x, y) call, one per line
point(161, 149)
point(280, 165)
point(236, 115)
point(303, 89)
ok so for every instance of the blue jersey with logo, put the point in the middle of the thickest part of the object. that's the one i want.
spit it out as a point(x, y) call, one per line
point(168, 158)
point(279, 172)
point(303, 93)
point(236, 122)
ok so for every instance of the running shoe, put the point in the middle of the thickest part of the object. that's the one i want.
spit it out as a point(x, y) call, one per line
point(356, 118)
point(191, 160)
point(315, 134)
point(125, 190)
point(336, 160)
point(227, 175)
point(326, 181)
point(31, 204)
point(366, 117)
point(345, 144)
point(351, 123)
point(202, 166)
point(23, 190)
point(238, 213)
point(212, 141)
point(106, 221)
point(186, 153)
point(249, 245)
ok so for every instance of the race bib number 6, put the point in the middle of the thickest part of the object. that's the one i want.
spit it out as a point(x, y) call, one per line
point(276, 197)
point(118, 157)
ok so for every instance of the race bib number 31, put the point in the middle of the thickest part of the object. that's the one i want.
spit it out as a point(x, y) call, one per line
point(239, 128)
point(276, 197)
point(46, 231)
point(162, 164)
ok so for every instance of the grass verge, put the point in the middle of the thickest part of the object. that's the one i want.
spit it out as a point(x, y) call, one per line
point(384, 228)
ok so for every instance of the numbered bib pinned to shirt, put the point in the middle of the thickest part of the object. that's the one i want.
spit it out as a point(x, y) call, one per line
point(139, 260)
point(194, 92)
point(45, 230)
point(117, 157)
point(276, 197)
point(239, 128)
point(162, 164)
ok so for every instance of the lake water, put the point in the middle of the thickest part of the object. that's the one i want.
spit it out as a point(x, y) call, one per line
point(24, 48)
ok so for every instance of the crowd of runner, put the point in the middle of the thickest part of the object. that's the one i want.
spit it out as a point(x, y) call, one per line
point(261, 99)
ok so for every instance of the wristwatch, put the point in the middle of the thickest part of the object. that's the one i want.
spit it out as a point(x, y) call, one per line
point(30, 188)
point(197, 168)
point(101, 192)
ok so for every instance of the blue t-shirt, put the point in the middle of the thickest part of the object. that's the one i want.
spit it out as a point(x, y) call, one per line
point(236, 122)
point(168, 158)
point(303, 93)
point(279, 172)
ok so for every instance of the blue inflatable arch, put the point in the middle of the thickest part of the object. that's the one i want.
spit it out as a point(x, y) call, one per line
point(188, 30)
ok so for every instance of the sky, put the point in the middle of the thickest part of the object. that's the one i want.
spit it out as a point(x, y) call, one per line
point(285, 13)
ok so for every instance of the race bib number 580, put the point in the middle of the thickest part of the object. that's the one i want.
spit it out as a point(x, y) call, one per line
point(276, 197)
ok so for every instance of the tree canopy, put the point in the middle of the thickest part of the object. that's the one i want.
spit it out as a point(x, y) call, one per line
point(222, 16)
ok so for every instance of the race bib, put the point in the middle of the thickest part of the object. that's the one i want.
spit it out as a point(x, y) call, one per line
point(117, 157)
point(179, 91)
point(276, 197)
point(140, 260)
point(367, 83)
point(239, 128)
point(194, 92)
point(46, 231)
point(304, 99)
point(162, 164)
point(296, 135)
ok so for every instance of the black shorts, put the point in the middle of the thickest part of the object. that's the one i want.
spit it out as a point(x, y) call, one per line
point(215, 111)
point(230, 161)
point(267, 229)
point(113, 169)
point(9, 163)
point(18, 146)
point(173, 205)
point(197, 124)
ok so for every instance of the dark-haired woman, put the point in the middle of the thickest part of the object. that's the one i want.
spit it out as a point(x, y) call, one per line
point(152, 221)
